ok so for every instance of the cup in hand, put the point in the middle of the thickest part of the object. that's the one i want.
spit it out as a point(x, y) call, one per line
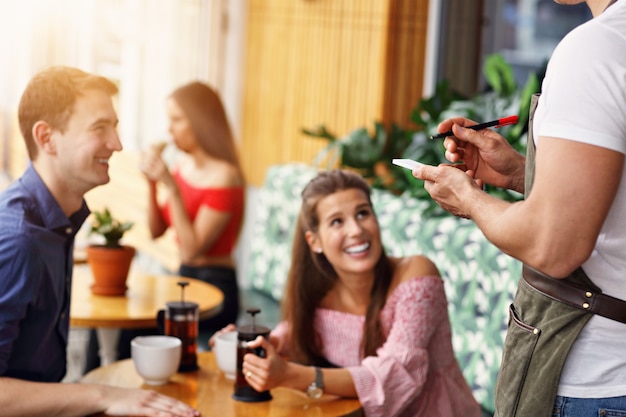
point(225, 350)
point(156, 358)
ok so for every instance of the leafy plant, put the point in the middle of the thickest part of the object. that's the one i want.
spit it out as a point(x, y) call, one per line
point(371, 153)
point(110, 228)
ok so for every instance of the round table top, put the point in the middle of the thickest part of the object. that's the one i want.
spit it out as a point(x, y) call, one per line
point(145, 296)
point(210, 392)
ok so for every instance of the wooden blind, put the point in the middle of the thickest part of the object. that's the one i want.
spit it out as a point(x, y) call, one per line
point(406, 50)
point(342, 63)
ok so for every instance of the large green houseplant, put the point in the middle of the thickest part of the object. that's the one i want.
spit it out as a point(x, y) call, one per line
point(370, 153)
point(109, 261)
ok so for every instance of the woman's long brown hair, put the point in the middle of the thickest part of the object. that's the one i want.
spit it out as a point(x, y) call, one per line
point(204, 109)
point(311, 276)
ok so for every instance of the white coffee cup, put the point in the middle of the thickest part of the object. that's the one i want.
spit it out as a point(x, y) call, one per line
point(225, 350)
point(156, 358)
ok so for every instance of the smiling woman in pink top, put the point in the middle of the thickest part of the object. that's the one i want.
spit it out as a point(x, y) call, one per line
point(357, 323)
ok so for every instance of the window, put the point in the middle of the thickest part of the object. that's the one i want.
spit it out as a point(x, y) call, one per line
point(147, 47)
point(526, 32)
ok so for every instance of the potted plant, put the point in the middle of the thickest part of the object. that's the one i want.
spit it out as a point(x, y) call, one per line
point(109, 261)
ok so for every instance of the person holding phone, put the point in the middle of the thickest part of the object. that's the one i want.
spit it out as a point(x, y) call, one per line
point(569, 231)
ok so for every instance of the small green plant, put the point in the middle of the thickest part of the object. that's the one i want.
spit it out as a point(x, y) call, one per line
point(107, 226)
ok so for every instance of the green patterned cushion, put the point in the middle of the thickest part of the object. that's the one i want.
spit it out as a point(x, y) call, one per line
point(277, 209)
point(480, 280)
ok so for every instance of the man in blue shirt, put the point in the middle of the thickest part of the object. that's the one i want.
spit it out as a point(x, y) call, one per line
point(70, 130)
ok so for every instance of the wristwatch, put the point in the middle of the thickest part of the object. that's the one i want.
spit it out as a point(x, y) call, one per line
point(316, 389)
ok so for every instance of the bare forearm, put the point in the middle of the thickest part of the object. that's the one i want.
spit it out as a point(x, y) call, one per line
point(556, 228)
point(498, 220)
point(197, 236)
point(188, 241)
point(549, 231)
point(337, 381)
point(531, 233)
point(26, 399)
point(518, 176)
point(34, 399)
point(155, 220)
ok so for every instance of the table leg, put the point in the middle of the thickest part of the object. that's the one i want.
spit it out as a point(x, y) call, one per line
point(107, 340)
point(77, 342)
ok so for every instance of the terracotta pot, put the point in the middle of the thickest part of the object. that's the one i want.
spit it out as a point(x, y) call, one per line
point(110, 268)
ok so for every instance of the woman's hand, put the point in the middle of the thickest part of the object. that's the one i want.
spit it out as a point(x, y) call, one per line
point(264, 373)
point(229, 328)
point(153, 166)
point(485, 155)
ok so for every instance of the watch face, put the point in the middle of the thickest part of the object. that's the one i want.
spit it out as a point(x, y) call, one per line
point(315, 393)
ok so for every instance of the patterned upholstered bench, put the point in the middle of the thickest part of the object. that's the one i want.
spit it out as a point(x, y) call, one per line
point(480, 280)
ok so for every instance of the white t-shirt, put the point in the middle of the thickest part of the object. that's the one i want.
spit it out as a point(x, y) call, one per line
point(584, 99)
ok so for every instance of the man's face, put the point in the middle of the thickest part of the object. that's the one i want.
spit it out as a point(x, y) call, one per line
point(84, 148)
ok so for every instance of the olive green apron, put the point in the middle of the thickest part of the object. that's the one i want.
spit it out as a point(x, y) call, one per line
point(540, 334)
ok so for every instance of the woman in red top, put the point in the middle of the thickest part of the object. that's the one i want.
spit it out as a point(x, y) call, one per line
point(205, 193)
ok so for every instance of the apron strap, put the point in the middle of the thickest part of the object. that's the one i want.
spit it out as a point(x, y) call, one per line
point(575, 295)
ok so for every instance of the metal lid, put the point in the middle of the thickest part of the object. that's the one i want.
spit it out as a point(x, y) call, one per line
point(182, 307)
point(251, 331)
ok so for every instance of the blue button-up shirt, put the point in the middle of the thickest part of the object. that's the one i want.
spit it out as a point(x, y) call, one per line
point(36, 243)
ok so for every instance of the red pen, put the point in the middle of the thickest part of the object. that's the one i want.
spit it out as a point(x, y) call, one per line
point(510, 120)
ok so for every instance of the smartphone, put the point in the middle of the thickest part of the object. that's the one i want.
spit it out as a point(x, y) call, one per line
point(407, 163)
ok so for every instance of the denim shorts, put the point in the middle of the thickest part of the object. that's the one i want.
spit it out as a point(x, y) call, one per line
point(589, 407)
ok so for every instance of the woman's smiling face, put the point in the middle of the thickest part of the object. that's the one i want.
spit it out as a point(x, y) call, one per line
point(348, 232)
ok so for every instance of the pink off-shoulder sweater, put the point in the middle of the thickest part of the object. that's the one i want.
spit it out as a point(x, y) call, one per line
point(414, 372)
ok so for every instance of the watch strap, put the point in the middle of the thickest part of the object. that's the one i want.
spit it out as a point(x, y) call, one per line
point(319, 378)
point(316, 389)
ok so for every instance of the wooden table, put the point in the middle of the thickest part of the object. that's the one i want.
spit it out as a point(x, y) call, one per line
point(146, 295)
point(211, 393)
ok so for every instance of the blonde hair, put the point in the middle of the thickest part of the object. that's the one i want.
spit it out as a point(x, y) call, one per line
point(50, 96)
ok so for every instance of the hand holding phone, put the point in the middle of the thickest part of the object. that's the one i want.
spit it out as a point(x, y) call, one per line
point(407, 163)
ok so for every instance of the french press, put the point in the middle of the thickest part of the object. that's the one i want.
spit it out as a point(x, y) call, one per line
point(245, 334)
point(181, 321)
